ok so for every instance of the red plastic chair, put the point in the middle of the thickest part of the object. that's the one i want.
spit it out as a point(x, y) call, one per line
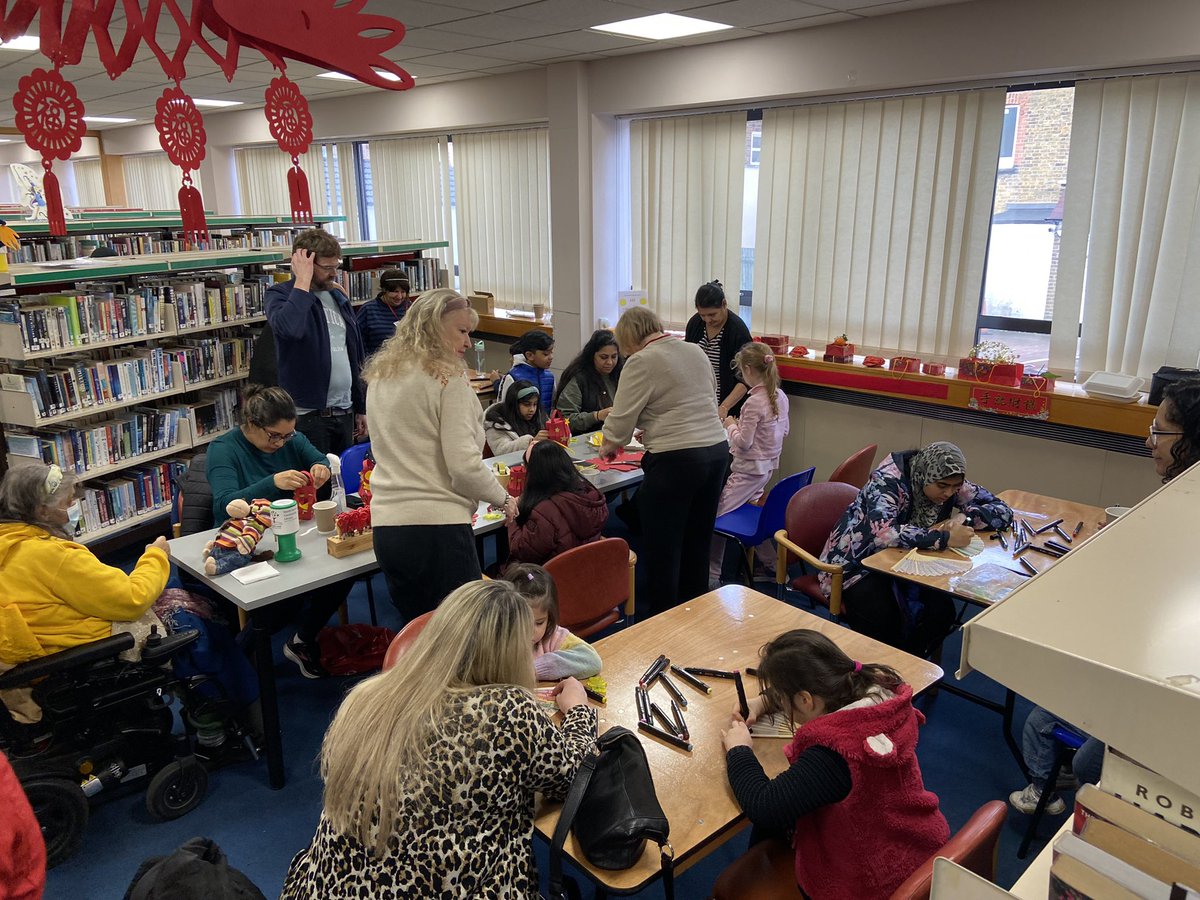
point(811, 515)
point(767, 871)
point(404, 639)
point(594, 581)
point(857, 469)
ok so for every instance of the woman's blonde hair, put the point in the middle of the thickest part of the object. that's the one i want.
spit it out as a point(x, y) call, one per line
point(634, 326)
point(759, 358)
point(379, 739)
point(421, 340)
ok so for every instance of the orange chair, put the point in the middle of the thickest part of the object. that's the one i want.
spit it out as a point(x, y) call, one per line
point(811, 515)
point(857, 469)
point(767, 871)
point(594, 581)
point(404, 639)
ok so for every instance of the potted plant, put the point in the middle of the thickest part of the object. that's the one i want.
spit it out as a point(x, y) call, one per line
point(993, 362)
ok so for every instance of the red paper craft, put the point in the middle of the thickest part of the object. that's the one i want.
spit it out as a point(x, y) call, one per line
point(50, 116)
point(558, 428)
point(181, 133)
point(291, 126)
point(305, 497)
point(624, 461)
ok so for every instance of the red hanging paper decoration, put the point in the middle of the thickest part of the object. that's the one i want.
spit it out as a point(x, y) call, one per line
point(181, 133)
point(50, 116)
point(291, 126)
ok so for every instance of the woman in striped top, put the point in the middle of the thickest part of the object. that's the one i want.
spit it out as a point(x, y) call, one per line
point(720, 334)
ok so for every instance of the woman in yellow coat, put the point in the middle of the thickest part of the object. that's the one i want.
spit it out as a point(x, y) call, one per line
point(55, 593)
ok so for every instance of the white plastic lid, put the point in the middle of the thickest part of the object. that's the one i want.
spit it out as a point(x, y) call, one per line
point(1113, 384)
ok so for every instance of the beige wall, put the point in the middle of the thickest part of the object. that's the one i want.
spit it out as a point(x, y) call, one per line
point(823, 434)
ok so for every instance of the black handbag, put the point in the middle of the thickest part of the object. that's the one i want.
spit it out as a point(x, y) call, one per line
point(614, 810)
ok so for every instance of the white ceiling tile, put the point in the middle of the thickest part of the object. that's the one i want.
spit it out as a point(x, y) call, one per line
point(888, 8)
point(513, 67)
point(590, 42)
point(437, 39)
point(464, 62)
point(521, 51)
point(501, 27)
point(423, 70)
point(809, 22)
point(751, 13)
point(573, 14)
point(713, 37)
point(483, 6)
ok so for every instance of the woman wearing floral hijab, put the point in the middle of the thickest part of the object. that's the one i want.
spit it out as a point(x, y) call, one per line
point(917, 498)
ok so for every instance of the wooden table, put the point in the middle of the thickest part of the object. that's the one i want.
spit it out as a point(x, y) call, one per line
point(1036, 511)
point(723, 629)
point(316, 568)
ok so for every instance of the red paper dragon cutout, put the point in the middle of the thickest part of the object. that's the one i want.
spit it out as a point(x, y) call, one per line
point(324, 33)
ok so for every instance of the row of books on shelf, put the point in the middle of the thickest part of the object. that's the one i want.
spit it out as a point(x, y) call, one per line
point(1134, 836)
point(78, 246)
point(96, 314)
point(203, 359)
point(80, 449)
point(423, 274)
point(110, 501)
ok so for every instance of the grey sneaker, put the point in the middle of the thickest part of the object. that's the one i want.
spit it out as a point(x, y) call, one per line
point(307, 657)
point(1026, 801)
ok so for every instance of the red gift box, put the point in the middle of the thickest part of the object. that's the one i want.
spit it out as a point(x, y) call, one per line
point(1004, 374)
point(840, 353)
point(558, 428)
point(932, 368)
point(777, 342)
point(305, 497)
point(904, 364)
point(516, 480)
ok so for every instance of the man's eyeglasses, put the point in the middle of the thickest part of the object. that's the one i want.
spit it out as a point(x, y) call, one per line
point(330, 269)
point(1155, 433)
point(276, 438)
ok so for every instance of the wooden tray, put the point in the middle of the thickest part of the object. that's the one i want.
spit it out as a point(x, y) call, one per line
point(348, 546)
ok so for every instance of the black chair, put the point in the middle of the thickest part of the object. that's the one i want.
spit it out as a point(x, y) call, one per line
point(106, 724)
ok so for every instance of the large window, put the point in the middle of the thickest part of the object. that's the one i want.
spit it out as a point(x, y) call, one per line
point(1023, 248)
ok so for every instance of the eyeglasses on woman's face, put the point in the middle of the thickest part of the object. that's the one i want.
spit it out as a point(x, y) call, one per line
point(1156, 433)
point(277, 437)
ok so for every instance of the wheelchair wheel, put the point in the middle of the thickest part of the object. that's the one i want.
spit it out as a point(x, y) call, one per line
point(176, 789)
point(62, 812)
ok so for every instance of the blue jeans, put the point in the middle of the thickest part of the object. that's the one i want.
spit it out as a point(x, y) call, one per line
point(1039, 748)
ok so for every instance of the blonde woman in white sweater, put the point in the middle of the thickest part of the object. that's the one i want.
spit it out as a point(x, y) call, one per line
point(669, 391)
point(427, 438)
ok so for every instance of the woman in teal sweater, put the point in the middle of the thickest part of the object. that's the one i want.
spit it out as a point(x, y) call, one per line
point(266, 457)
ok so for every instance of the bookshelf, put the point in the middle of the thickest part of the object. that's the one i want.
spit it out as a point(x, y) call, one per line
point(1108, 637)
point(121, 368)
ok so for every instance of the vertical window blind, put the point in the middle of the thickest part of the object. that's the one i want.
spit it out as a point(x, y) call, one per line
point(332, 183)
point(1130, 252)
point(152, 182)
point(686, 185)
point(411, 179)
point(89, 182)
point(502, 181)
point(873, 220)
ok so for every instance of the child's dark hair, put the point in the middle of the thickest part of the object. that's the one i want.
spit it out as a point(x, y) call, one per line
point(537, 586)
point(534, 339)
point(583, 366)
point(264, 406)
point(710, 296)
point(509, 411)
point(806, 660)
point(549, 471)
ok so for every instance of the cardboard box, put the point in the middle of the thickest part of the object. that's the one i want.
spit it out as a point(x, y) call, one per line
point(483, 302)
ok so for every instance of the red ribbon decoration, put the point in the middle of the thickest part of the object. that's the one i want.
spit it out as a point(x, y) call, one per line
point(291, 126)
point(49, 114)
point(181, 134)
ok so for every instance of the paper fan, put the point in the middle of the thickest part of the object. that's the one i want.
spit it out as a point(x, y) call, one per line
point(913, 563)
point(972, 549)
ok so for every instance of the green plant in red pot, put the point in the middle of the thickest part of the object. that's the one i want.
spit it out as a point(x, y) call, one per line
point(993, 362)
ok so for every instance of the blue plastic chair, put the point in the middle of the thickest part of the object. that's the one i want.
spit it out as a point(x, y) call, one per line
point(750, 525)
point(1068, 742)
point(352, 460)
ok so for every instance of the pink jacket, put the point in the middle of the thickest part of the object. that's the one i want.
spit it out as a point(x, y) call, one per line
point(757, 434)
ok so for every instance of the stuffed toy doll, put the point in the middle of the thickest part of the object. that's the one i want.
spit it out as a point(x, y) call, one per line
point(233, 547)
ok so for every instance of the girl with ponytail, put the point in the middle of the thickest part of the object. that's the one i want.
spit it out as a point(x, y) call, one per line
point(853, 799)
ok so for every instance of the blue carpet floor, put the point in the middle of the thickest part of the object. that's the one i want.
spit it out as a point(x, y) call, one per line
point(963, 758)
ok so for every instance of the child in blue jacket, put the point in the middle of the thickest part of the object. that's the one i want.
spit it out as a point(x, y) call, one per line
point(538, 350)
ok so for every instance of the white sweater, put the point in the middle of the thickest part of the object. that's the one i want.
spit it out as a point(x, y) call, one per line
point(427, 439)
point(668, 389)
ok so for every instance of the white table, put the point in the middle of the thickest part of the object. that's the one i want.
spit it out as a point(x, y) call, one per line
point(316, 568)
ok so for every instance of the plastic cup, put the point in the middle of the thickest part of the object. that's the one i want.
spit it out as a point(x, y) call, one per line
point(1112, 513)
point(326, 512)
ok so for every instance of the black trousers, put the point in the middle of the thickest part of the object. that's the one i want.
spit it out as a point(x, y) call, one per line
point(677, 505)
point(871, 608)
point(424, 563)
point(329, 434)
point(310, 611)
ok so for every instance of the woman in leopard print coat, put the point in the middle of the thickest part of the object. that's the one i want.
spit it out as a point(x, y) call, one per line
point(431, 767)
